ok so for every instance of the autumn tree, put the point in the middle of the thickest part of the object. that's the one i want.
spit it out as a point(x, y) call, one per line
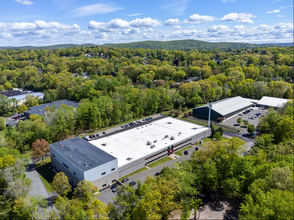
point(22, 108)
point(31, 100)
point(40, 149)
point(61, 184)
point(86, 191)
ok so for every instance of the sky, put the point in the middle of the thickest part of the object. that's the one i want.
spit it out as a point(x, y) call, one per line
point(48, 22)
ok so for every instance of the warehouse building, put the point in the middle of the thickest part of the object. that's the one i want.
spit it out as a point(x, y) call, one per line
point(266, 102)
point(20, 95)
point(223, 108)
point(125, 151)
point(40, 109)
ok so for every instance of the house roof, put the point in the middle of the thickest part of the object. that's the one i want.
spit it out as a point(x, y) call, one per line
point(39, 110)
point(226, 106)
point(81, 153)
point(272, 101)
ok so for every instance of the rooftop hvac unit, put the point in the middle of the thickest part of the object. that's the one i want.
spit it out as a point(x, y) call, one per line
point(154, 141)
point(85, 164)
point(148, 142)
point(152, 146)
point(169, 122)
point(180, 132)
point(166, 136)
point(104, 144)
point(129, 158)
point(172, 138)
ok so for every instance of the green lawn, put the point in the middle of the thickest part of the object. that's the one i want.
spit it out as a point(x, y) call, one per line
point(179, 153)
point(46, 175)
point(186, 148)
point(161, 161)
point(46, 160)
point(206, 140)
point(133, 173)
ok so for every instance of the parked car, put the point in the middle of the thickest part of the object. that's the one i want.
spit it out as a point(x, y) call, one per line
point(113, 186)
point(125, 180)
point(114, 190)
point(186, 152)
point(196, 148)
point(132, 183)
point(245, 135)
point(97, 135)
point(103, 132)
point(86, 137)
point(16, 117)
point(7, 125)
point(157, 174)
point(240, 114)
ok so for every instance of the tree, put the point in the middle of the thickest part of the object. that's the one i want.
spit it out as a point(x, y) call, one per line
point(7, 86)
point(246, 122)
point(86, 191)
point(2, 123)
point(239, 120)
point(4, 103)
point(31, 100)
point(40, 149)
point(61, 184)
point(14, 102)
point(22, 108)
point(250, 129)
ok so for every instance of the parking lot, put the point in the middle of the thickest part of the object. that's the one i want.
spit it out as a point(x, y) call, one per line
point(12, 121)
point(232, 121)
point(107, 194)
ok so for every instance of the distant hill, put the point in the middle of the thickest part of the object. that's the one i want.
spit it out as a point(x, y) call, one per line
point(169, 45)
point(194, 44)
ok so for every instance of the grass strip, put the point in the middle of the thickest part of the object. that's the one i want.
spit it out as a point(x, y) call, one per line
point(133, 173)
point(161, 161)
point(179, 153)
point(186, 148)
point(47, 185)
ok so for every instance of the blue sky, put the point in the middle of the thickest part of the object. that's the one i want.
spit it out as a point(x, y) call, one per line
point(47, 22)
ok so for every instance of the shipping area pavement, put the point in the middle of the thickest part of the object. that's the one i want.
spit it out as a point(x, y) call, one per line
point(107, 194)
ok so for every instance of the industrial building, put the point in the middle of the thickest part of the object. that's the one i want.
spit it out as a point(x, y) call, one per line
point(266, 102)
point(40, 109)
point(224, 108)
point(20, 95)
point(115, 155)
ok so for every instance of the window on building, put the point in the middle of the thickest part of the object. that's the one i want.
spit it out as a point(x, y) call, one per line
point(75, 173)
point(65, 165)
point(53, 155)
point(112, 169)
point(103, 173)
point(104, 185)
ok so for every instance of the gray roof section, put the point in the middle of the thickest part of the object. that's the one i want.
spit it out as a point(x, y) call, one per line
point(81, 153)
point(272, 101)
point(39, 110)
point(226, 106)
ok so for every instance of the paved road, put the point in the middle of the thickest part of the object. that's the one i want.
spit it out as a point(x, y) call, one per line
point(37, 184)
point(106, 195)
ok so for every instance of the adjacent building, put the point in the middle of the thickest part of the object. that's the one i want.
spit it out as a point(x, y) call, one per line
point(21, 95)
point(120, 153)
point(40, 109)
point(224, 108)
point(267, 101)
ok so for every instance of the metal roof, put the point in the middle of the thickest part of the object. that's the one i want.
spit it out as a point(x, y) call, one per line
point(272, 101)
point(226, 106)
point(9, 93)
point(81, 153)
point(23, 96)
point(39, 110)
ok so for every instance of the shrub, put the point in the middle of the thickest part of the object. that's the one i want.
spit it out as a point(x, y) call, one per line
point(220, 119)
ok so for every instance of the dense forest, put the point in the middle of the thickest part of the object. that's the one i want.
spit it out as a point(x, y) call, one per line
point(168, 45)
point(115, 85)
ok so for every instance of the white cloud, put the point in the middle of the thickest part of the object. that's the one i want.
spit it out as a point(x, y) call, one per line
point(171, 22)
point(5, 35)
point(55, 25)
point(131, 31)
point(24, 2)
point(101, 35)
point(135, 14)
point(217, 28)
point(197, 19)
point(95, 9)
point(289, 6)
point(275, 1)
point(191, 27)
point(177, 27)
point(229, 0)
point(23, 26)
point(144, 23)
point(112, 25)
point(239, 17)
point(284, 26)
point(2, 26)
point(274, 11)
point(280, 16)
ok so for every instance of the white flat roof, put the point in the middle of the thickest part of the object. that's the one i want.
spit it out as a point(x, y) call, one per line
point(132, 143)
point(272, 101)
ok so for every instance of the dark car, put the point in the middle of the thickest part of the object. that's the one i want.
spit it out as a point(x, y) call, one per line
point(157, 174)
point(186, 152)
point(113, 186)
point(114, 190)
point(16, 118)
point(103, 132)
point(97, 135)
point(125, 180)
point(245, 135)
point(7, 125)
point(196, 148)
point(132, 183)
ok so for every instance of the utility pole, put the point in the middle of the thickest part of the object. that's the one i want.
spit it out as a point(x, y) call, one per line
point(209, 109)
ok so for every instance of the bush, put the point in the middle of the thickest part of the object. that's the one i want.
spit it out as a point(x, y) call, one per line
point(246, 122)
point(2, 123)
point(8, 114)
point(190, 113)
point(220, 119)
point(185, 115)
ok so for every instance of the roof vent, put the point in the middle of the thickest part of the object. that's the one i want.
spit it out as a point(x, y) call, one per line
point(152, 146)
point(169, 122)
point(148, 142)
point(172, 138)
point(154, 141)
point(85, 164)
point(180, 132)
point(129, 158)
point(166, 136)
point(104, 144)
